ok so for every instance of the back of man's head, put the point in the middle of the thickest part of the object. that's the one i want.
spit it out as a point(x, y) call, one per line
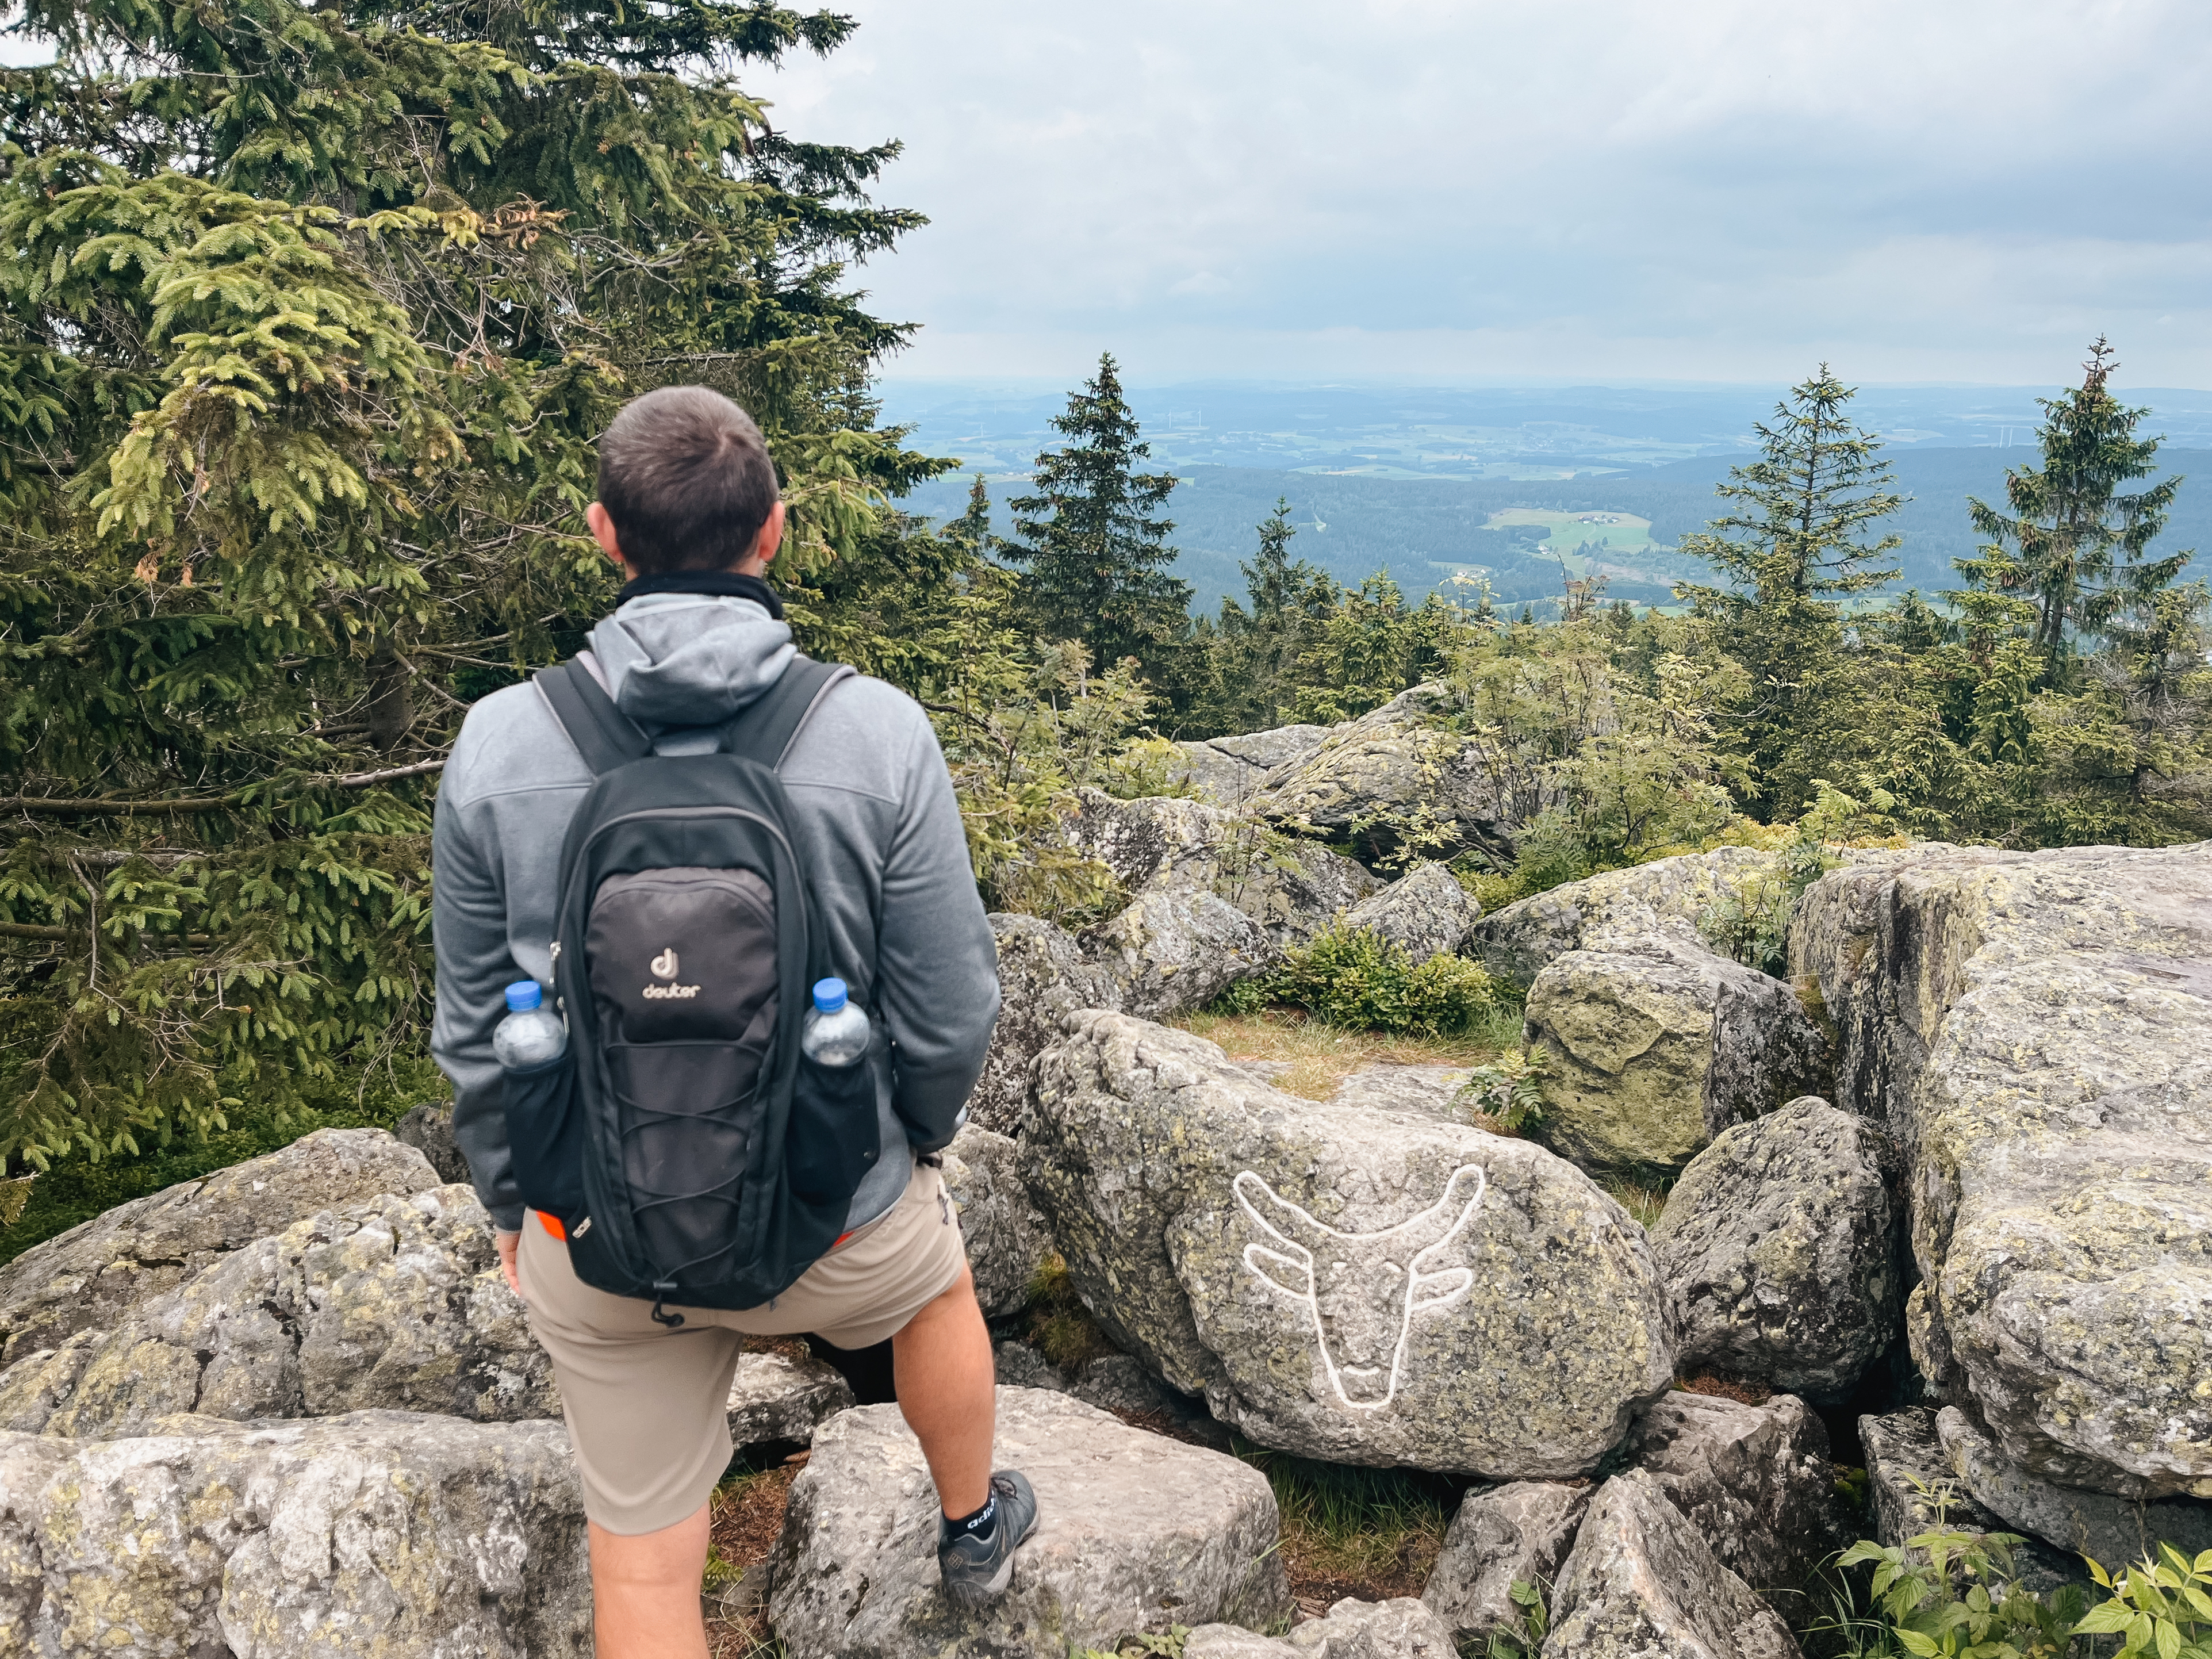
point(687, 480)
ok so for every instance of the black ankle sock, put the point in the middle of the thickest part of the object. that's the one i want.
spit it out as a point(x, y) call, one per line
point(982, 1524)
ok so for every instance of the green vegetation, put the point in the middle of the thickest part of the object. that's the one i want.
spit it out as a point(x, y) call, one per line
point(77, 1187)
point(1945, 1594)
point(1370, 1532)
point(1534, 1624)
point(309, 321)
point(1509, 1090)
point(1358, 979)
point(1091, 540)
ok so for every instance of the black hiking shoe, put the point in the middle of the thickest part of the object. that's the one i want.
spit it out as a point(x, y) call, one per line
point(977, 1569)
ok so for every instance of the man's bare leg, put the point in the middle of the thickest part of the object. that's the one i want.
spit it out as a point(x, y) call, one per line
point(645, 1591)
point(942, 1365)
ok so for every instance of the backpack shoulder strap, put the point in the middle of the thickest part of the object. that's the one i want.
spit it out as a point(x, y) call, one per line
point(764, 732)
point(604, 736)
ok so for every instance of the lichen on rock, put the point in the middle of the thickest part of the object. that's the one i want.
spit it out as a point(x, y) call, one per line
point(1783, 1245)
point(1355, 1284)
point(2031, 1028)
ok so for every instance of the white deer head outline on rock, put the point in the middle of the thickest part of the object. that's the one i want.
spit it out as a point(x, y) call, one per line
point(1361, 1290)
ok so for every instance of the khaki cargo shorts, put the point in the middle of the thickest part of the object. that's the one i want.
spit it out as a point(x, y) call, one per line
point(646, 1404)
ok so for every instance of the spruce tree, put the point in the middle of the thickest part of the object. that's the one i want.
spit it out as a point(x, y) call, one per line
point(1798, 545)
point(309, 316)
point(1092, 545)
point(2072, 542)
point(1253, 655)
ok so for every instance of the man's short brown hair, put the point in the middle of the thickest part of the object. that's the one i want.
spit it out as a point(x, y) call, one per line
point(687, 480)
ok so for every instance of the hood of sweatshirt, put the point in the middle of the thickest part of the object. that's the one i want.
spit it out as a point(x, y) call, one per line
point(681, 659)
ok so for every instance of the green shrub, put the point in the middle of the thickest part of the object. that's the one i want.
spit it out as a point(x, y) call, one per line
point(1360, 980)
point(1510, 1090)
point(1531, 1624)
point(2161, 1606)
point(79, 1186)
point(1951, 1594)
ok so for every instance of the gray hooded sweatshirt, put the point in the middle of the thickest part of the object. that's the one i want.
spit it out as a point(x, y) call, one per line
point(873, 816)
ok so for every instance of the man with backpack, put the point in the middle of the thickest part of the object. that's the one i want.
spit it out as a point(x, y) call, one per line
point(680, 833)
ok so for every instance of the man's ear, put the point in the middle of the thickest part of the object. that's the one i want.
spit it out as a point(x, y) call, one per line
point(767, 543)
point(603, 531)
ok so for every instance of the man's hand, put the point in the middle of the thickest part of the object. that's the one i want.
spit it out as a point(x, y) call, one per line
point(508, 1242)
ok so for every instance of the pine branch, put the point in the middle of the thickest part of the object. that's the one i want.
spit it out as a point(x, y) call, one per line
point(107, 806)
point(60, 935)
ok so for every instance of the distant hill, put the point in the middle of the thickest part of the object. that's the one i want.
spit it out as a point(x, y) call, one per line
point(1422, 529)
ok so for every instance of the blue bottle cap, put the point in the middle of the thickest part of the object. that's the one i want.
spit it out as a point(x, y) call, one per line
point(829, 994)
point(524, 995)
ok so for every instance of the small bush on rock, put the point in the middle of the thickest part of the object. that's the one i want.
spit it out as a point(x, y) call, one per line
point(1510, 1090)
point(2161, 1606)
point(1532, 1623)
point(1362, 980)
point(1953, 1594)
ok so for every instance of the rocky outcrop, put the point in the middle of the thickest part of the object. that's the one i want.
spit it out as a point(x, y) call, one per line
point(90, 1276)
point(1355, 1285)
point(1043, 976)
point(773, 1396)
point(2110, 1530)
point(1666, 896)
point(1425, 913)
point(1112, 1381)
point(1007, 1239)
point(2031, 1027)
point(1213, 897)
point(1232, 771)
point(1656, 1045)
point(1430, 1091)
point(1501, 1536)
point(1174, 948)
point(1399, 1628)
point(374, 1534)
point(1641, 1582)
point(1400, 767)
point(1291, 886)
point(1135, 1533)
point(1783, 1245)
point(397, 1303)
point(41, 1381)
point(1911, 1487)
point(1753, 1480)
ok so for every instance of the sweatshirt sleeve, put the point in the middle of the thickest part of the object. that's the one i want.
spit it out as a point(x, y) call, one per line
point(937, 963)
point(469, 924)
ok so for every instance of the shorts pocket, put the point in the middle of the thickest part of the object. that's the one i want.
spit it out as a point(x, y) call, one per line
point(545, 1137)
point(834, 1134)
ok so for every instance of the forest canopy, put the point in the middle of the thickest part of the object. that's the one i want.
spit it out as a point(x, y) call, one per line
point(309, 319)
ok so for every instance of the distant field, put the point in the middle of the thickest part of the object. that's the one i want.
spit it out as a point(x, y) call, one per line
point(1620, 532)
point(1426, 531)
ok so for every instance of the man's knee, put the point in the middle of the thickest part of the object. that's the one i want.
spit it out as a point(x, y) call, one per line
point(669, 1558)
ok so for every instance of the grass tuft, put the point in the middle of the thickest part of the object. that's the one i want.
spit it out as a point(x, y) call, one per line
point(1370, 1532)
point(1643, 1202)
point(1061, 1327)
point(1319, 1056)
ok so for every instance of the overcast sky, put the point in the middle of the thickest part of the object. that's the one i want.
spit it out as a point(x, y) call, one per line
point(1725, 190)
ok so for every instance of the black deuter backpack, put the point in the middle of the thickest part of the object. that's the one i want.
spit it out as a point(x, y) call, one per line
point(690, 1151)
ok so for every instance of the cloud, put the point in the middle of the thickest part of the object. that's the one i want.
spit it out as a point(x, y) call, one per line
point(1712, 189)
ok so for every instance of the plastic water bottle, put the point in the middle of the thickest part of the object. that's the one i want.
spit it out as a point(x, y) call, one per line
point(532, 1034)
point(836, 1032)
